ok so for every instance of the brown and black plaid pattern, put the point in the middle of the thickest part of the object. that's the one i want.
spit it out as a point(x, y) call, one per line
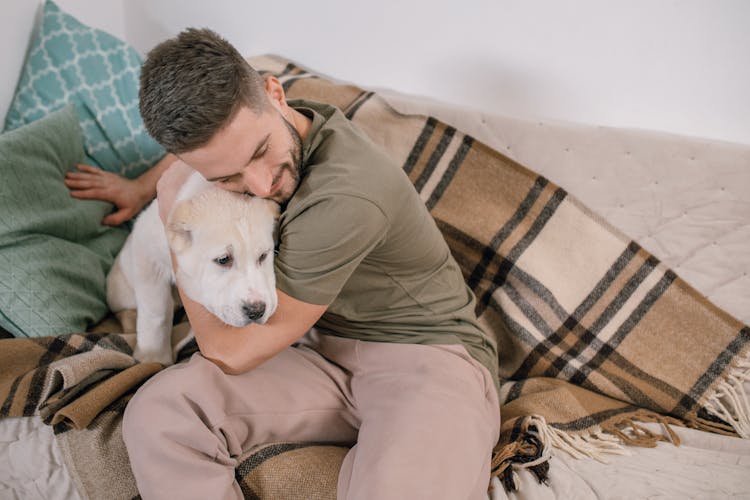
point(566, 295)
point(594, 333)
point(571, 301)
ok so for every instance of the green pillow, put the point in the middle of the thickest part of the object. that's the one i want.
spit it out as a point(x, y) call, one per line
point(70, 62)
point(54, 252)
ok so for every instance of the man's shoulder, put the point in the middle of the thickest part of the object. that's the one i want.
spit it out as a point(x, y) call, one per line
point(344, 206)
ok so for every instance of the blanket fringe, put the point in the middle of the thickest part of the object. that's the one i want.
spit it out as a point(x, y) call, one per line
point(730, 401)
point(528, 452)
point(533, 448)
point(629, 431)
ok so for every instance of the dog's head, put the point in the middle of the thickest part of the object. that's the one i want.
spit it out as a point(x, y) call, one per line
point(224, 246)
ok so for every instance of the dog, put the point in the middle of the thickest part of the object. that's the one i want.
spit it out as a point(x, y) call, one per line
point(223, 244)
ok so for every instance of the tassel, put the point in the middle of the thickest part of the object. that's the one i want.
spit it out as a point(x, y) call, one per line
point(730, 401)
point(541, 471)
point(666, 422)
point(631, 433)
point(704, 421)
point(508, 481)
point(534, 440)
point(527, 452)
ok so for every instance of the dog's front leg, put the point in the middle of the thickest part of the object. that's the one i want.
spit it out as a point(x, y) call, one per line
point(154, 322)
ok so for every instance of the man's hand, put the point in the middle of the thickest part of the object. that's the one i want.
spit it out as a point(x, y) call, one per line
point(91, 183)
point(169, 185)
point(128, 196)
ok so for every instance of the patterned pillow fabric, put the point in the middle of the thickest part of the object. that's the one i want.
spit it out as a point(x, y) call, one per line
point(54, 253)
point(70, 62)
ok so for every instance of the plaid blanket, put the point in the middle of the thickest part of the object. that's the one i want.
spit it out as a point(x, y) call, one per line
point(595, 334)
point(80, 385)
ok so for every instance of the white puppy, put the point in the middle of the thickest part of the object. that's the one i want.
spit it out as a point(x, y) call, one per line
point(223, 244)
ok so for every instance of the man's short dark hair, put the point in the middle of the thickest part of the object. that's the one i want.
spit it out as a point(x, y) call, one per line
point(191, 87)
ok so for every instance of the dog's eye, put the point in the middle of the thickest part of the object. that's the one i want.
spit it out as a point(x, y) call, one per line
point(224, 260)
point(262, 258)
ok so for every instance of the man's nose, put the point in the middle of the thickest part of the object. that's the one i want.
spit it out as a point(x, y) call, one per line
point(258, 181)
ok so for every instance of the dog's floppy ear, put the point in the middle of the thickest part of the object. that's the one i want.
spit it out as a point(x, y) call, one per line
point(178, 230)
point(275, 210)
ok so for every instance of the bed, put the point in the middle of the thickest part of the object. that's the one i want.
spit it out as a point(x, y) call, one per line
point(683, 202)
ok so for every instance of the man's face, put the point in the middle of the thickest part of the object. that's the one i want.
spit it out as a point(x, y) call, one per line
point(260, 155)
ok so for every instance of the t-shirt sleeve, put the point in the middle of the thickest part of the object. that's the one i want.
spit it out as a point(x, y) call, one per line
point(321, 246)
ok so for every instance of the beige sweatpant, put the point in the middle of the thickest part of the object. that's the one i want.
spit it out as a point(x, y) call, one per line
point(422, 420)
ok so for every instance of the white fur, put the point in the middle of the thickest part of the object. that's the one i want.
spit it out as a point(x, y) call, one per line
point(205, 224)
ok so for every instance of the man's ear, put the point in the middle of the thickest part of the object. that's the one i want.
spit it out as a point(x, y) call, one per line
point(178, 228)
point(275, 92)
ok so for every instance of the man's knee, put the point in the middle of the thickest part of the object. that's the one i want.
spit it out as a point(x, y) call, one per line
point(159, 402)
point(437, 381)
point(139, 412)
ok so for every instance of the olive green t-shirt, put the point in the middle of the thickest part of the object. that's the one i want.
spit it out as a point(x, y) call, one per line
point(357, 237)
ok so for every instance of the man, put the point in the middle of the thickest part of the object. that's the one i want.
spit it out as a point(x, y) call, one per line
point(399, 369)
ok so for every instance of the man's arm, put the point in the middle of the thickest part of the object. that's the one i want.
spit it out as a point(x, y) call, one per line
point(240, 349)
point(148, 179)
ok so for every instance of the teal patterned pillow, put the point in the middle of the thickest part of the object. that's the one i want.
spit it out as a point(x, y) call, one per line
point(54, 253)
point(70, 62)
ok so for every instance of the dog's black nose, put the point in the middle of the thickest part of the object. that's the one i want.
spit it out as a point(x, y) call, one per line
point(253, 310)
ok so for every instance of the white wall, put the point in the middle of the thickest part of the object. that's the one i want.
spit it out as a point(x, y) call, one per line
point(673, 65)
point(17, 18)
point(108, 15)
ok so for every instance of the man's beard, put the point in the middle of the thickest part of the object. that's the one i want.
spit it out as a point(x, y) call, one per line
point(295, 169)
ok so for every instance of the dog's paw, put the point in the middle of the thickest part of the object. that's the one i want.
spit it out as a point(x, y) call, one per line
point(157, 356)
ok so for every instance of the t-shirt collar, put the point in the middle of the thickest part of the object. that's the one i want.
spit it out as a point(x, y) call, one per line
point(316, 112)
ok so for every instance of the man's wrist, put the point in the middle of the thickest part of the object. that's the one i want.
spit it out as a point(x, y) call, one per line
point(146, 182)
